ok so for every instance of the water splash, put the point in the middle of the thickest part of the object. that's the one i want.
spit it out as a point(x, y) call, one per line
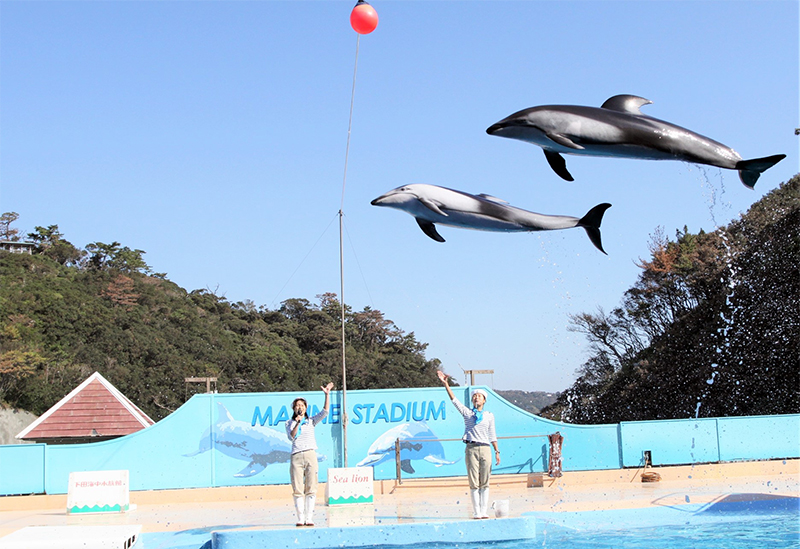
point(713, 189)
point(566, 411)
point(714, 193)
point(558, 287)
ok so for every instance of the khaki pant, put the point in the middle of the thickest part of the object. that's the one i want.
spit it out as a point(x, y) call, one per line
point(303, 472)
point(479, 465)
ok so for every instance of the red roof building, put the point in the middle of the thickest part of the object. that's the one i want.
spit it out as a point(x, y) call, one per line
point(95, 410)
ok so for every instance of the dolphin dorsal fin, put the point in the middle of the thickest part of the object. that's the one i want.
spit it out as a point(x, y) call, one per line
point(491, 198)
point(626, 103)
point(223, 414)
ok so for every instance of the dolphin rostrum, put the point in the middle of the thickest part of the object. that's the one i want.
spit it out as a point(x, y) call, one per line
point(619, 128)
point(430, 204)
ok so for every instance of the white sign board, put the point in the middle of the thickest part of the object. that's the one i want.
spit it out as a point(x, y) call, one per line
point(98, 492)
point(349, 485)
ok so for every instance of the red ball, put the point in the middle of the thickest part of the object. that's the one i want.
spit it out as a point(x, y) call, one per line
point(363, 18)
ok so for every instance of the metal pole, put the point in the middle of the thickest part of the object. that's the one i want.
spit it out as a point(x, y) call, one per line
point(344, 354)
point(341, 257)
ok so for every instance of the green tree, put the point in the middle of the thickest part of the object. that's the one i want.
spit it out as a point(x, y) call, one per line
point(50, 242)
point(711, 327)
point(6, 232)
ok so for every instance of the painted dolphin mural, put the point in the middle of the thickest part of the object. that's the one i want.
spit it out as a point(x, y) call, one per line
point(618, 128)
point(258, 446)
point(417, 442)
point(430, 204)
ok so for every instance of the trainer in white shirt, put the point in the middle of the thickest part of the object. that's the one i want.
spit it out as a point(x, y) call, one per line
point(303, 468)
point(480, 437)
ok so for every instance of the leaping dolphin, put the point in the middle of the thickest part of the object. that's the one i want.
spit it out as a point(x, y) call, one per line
point(430, 204)
point(618, 128)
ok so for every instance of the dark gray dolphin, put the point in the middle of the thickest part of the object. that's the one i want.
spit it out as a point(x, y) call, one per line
point(430, 204)
point(619, 128)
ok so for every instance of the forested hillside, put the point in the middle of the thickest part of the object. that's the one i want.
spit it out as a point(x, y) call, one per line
point(68, 312)
point(531, 401)
point(711, 327)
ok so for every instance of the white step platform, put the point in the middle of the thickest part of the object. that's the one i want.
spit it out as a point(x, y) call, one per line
point(72, 537)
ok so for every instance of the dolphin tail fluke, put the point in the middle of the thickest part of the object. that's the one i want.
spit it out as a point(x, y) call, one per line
point(751, 170)
point(591, 223)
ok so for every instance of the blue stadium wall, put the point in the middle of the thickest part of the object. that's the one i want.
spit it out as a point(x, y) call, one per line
point(240, 439)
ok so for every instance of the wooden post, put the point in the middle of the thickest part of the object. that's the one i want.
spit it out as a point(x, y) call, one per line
point(473, 372)
point(397, 460)
point(207, 380)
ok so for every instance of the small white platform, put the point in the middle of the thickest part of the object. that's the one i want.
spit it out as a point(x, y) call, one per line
point(69, 537)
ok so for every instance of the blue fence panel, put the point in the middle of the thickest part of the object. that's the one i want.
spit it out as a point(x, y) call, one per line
point(671, 442)
point(590, 447)
point(155, 457)
point(22, 469)
point(240, 439)
point(759, 437)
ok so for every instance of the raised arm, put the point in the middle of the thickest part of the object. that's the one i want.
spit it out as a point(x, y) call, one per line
point(327, 390)
point(443, 378)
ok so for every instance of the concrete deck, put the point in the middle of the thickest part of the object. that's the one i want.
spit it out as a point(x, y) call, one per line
point(173, 519)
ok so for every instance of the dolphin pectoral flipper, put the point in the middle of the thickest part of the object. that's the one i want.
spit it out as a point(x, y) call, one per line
point(372, 459)
point(405, 465)
point(750, 170)
point(431, 205)
point(429, 229)
point(558, 164)
point(252, 468)
point(591, 223)
point(437, 461)
point(564, 141)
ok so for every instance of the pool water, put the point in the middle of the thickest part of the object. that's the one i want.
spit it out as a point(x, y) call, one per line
point(773, 524)
point(737, 521)
point(776, 532)
point(758, 532)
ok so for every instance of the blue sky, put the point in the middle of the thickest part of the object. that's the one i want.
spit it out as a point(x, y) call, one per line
point(212, 136)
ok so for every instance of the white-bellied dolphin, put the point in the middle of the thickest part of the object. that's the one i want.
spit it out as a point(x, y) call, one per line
point(618, 128)
point(417, 442)
point(256, 445)
point(430, 204)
